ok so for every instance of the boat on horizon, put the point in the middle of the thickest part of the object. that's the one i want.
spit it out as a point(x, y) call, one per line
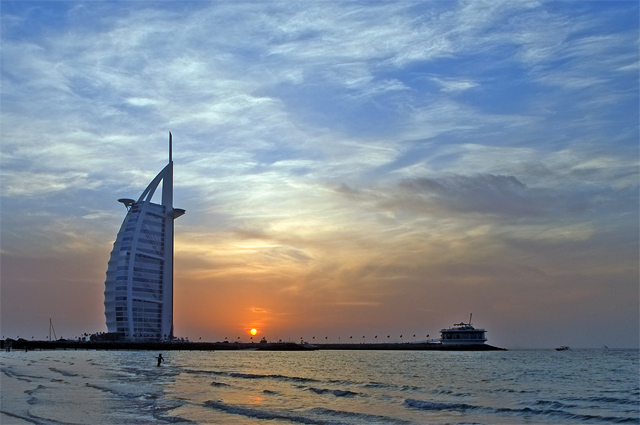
point(563, 348)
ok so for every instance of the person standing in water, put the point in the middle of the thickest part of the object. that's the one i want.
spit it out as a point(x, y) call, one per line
point(160, 359)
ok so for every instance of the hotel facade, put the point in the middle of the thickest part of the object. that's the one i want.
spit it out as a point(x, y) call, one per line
point(138, 295)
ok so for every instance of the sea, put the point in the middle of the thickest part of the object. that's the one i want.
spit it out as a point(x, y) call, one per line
point(591, 386)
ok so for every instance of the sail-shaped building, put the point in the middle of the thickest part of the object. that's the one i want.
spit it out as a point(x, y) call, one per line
point(138, 295)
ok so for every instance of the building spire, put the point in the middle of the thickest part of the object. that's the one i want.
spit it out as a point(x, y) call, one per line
point(148, 316)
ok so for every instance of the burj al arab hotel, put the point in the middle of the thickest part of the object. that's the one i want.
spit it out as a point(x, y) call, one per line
point(138, 295)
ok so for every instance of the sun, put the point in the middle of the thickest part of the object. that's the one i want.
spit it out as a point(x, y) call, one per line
point(253, 331)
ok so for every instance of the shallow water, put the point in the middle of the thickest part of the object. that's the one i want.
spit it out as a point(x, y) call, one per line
point(321, 387)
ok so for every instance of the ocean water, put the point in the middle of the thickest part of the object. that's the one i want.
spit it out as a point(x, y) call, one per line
point(321, 387)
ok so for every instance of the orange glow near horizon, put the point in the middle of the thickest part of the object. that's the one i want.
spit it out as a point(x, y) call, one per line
point(253, 331)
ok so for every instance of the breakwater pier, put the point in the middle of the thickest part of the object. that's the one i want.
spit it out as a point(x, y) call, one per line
point(22, 344)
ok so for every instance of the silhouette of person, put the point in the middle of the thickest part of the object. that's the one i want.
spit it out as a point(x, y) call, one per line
point(160, 359)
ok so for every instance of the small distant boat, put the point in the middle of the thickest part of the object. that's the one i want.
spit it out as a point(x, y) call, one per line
point(563, 348)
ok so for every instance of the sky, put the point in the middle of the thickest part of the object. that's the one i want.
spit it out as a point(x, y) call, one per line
point(350, 170)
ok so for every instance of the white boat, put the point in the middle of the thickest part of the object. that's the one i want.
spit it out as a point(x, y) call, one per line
point(463, 334)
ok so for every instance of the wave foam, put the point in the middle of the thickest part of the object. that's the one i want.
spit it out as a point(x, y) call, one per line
point(62, 372)
point(357, 416)
point(240, 375)
point(526, 411)
point(265, 414)
point(337, 393)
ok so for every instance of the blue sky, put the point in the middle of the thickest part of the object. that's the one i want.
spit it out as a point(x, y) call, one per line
point(346, 167)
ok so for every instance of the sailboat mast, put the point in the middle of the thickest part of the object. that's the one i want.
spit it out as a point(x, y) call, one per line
point(52, 328)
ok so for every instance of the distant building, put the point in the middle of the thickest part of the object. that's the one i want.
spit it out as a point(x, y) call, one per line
point(138, 295)
point(463, 334)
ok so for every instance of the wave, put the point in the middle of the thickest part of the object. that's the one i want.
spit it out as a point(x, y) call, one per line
point(344, 393)
point(266, 414)
point(305, 380)
point(62, 372)
point(446, 391)
point(554, 404)
point(38, 388)
point(384, 385)
point(20, 377)
point(526, 411)
point(297, 379)
point(314, 416)
point(436, 405)
point(10, 374)
point(14, 415)
point(121, 393)
point(33, 419)
point(341, 382)
point(337, 393)
point(411, 388)
point(277, 377)
point(32, 398)
point(393, 387)
point(148, 404)
point(613, 400)
point(151, 372)
point(361, 417)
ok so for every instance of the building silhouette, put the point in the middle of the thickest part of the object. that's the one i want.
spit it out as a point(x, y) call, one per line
point(138, 295)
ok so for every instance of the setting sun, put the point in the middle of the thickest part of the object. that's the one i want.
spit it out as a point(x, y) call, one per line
point(253, 331)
